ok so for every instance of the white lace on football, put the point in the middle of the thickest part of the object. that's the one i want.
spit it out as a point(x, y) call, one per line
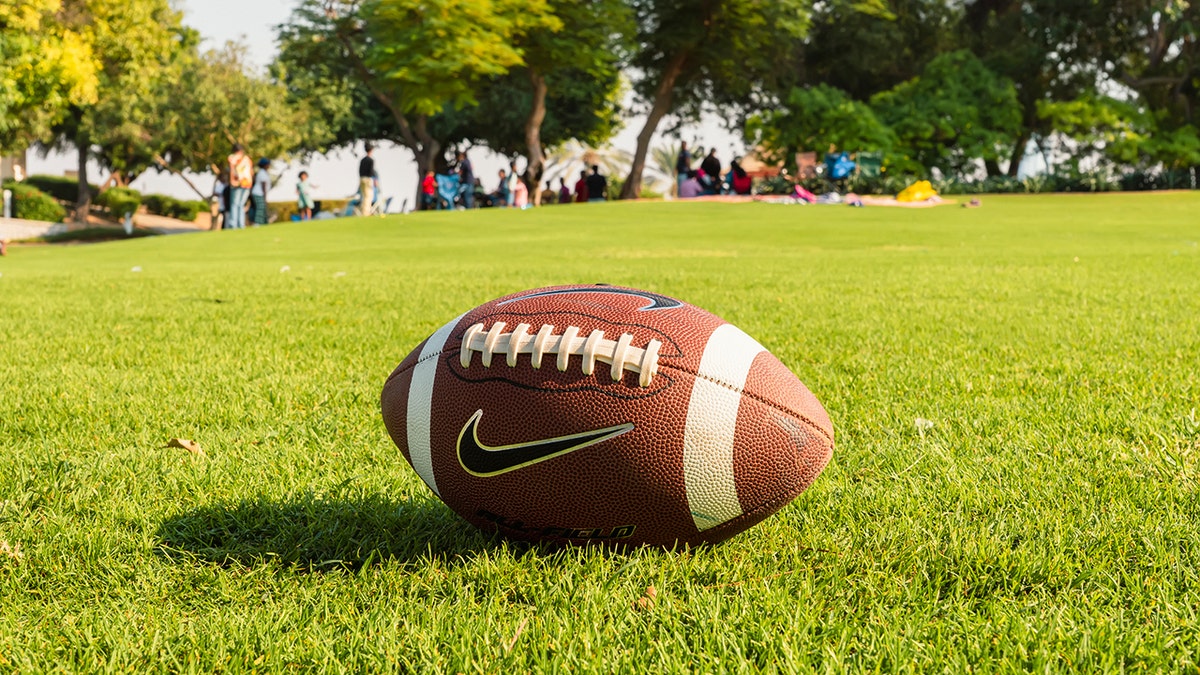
point(620, 354)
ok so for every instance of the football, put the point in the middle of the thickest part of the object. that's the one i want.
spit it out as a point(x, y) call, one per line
point(579, 414)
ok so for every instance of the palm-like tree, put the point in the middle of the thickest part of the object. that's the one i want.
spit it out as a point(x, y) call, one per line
point(568, 159)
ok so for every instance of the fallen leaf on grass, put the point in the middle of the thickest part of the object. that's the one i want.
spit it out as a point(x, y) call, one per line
point(647, 600)
point(191, 446)
point(13, 552)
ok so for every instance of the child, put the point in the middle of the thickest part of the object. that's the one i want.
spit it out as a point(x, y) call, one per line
point(429, 191)
point(304, 200)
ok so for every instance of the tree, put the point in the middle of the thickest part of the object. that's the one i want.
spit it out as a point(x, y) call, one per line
point(46, 67)
point(578, 53)
point(413, 59)
point(219, 101)
point(134, 41)
point(812, 119)
point(955, 112)
point(1051, 50)
point(864, 48)
point(693, 53)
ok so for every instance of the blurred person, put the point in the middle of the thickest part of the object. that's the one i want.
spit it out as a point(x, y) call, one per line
point(520, 194)
point(511, 190)
point(683, 164)
point(549, 196)
point(564, 192)
point(304, 200)
point(241, 179)
point(711, 166)
point(501, 192)
point(691, 188)
point(597, 185)
point(367, 181)
point(428, 191)
point(220, 201)
point(466, 176)
point(262, 187)
point(738, 180)
point(581, 190)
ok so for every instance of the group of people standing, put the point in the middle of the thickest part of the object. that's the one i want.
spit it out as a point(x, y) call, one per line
point(707, 179)
point(242, 185)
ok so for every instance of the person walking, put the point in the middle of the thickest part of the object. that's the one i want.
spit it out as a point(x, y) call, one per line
point(466, 176)
point(366, 181)
point(683, 164)
point(597, 185)
point(262, 187)
point(241, 178)
point(304, 200)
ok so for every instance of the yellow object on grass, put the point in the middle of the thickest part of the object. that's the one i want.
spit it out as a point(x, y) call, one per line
point(917, 192)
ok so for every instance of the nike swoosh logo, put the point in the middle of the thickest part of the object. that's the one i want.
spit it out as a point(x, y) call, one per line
point(484, 461)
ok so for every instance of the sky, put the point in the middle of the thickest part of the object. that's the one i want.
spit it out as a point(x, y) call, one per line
point(334, 176)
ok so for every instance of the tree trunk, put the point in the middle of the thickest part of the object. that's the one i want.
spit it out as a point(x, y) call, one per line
point(993, 167)
point(1014, 164)
point(662, 105)
point(533, 137)
point(83, 201)
point(425, 150)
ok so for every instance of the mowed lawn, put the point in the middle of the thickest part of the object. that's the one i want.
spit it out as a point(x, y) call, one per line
point(1046, 517)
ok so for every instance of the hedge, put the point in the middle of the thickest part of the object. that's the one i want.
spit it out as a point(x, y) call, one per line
point(118, 201)
point(174, 208)
point(31, 203)
point(60, 187)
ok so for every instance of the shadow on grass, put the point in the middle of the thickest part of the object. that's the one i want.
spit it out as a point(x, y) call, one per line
point(320, 534)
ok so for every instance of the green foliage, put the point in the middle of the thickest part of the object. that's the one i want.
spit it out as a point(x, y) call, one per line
point(437, 51)
point(220, 101)
point(118, 201)
point(171, 207)
point(46, 66)
point(955, 112)
point(579, 60)
point(1123, 132)
point(864, 48)
point(30, 203)
point(814, 119)
point(60, 187)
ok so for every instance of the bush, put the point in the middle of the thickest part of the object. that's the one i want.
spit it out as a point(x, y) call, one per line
point(160, 205)
point(31, 203)
point(60, 187)
point(170, 207)
point(118, 201)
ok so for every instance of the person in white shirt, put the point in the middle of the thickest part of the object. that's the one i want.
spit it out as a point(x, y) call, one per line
point(258, 194)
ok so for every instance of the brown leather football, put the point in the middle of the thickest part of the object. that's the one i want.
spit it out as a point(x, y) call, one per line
point(604, 414)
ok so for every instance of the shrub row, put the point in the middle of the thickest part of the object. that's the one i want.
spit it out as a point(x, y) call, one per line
point(31, 203)
point(118, 201)
point(60, 187)
point(174, 208)
point(1071, 181)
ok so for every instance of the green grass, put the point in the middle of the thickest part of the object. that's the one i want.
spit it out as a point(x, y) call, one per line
point(1049, 520)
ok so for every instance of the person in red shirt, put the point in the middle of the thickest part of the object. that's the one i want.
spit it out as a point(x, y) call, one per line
point(581, 191)
point(428, 191)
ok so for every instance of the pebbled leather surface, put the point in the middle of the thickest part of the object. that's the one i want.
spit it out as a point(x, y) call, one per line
point(628, 490)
